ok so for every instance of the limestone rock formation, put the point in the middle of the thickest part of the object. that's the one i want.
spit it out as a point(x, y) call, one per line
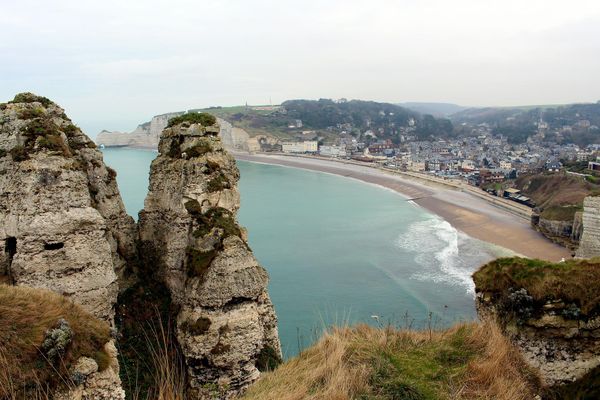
point(62, 220)
point(589, 244)
point(146, 135)
point(226, 325)
point(548, 310)
point(89, 383)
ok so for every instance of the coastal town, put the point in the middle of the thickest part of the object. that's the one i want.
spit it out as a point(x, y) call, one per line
point(481, 158)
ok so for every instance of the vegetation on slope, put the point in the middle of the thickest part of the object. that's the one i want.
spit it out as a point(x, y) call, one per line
point(568, 281)
point(204, 119)
point(518, 123)
point(469, 361)
point(41, 335)
point(558, 196)
point(355, 116)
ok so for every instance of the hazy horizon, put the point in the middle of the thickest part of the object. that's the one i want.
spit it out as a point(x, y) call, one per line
point(114, 65)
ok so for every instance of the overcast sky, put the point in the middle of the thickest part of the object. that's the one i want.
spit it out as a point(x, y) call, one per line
point(113, 64)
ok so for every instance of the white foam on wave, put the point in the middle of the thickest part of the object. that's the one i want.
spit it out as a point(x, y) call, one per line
point(446, 255)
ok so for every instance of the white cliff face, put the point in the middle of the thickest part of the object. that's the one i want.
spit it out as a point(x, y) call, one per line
point(63, 224)
point(144, 136)
point(589, 244)
point(226, 325)
point(147, 135)
point(62, 221)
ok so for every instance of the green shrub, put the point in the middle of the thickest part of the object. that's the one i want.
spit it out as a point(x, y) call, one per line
point(218, 183)
point(268, 359)
point(31, 98)
point(217, 217)
point(70, 130)
point(204, 119)
point(2, 153)
point(199, 261)
point(193, 207)
point(31, 113)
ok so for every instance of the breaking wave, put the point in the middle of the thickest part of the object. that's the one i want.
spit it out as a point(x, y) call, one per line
point(445, 254)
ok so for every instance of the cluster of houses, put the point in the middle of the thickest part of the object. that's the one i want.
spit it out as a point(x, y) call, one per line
point(481, 160)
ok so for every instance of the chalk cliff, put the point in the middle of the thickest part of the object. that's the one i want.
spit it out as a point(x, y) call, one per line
point(226, 325)
point(589, 245)
point(62, 221)
point(146, 135)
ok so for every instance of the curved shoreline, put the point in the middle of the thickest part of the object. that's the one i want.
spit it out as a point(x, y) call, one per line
point(464, 210)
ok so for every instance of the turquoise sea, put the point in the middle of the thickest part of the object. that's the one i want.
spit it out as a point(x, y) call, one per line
point(340, 251)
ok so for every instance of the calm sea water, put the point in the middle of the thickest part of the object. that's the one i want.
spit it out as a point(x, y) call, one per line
point(339, 250)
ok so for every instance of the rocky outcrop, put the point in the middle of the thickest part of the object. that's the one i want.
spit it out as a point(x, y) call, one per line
point(91, 383)
point(62, 220)
point(565, 233)
point(226, 325)
point(145, 135)
point(589, 245)
point(563, 349)
point(548, 310)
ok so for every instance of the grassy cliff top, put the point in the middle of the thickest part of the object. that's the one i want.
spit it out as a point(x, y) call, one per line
point(469, 361)
point(204, 119)
point(37, 347)
point(572, 281)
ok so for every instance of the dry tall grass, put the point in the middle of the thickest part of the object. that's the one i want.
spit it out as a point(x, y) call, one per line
point(470, 361)
point(26, 314)
point(167, 366)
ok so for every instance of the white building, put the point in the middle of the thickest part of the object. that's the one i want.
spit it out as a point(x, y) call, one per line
point(309, 146)
point(332, 151)
point(505, 165)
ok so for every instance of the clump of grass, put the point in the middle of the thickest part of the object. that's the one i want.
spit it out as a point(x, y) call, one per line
point(26, 317)
point(217, 217)
point(218, 183)
point(31, 98)
point(568, 281)
point(469, 361)
point(204, 119)
point(31, 113)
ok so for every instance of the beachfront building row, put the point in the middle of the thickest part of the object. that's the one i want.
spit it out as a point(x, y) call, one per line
point(308, 146)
